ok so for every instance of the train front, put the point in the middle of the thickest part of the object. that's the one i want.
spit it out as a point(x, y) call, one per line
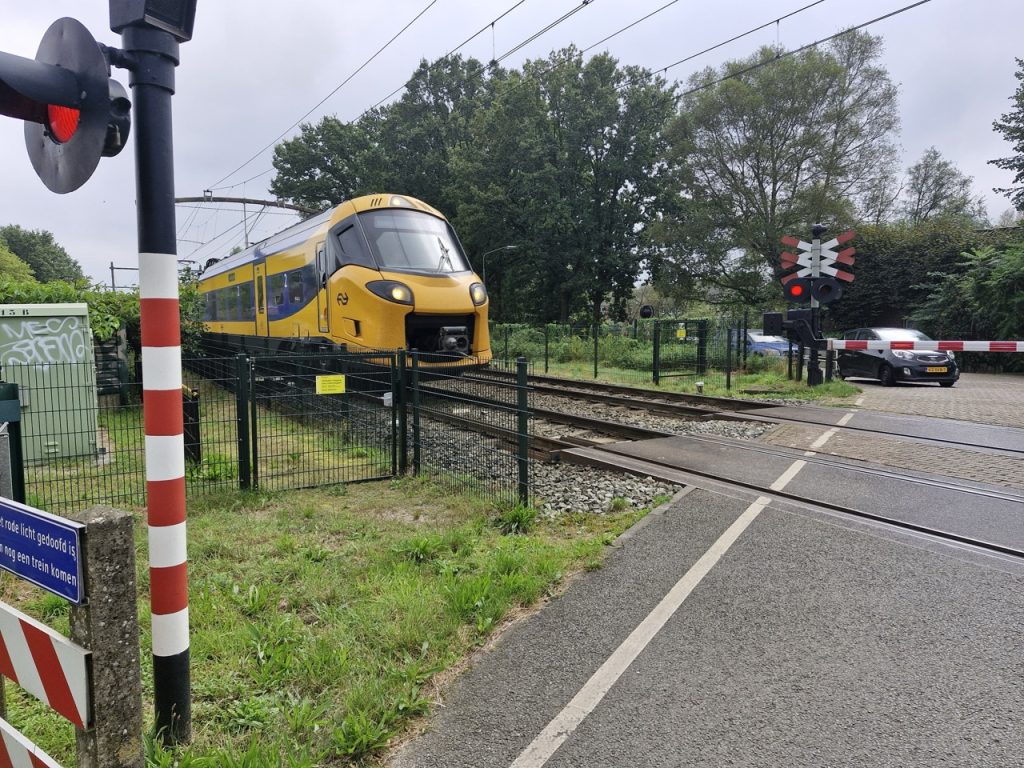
point(420, 294)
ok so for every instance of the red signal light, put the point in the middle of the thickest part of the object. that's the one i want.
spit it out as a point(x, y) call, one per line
point(796, 290)
point(62, 122)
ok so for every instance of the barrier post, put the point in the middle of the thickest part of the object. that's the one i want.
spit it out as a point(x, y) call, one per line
point(107, 624)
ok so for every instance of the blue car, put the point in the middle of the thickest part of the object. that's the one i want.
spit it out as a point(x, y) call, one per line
point(769, 346)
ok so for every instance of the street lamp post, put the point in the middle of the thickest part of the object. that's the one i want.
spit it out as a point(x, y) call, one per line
point(495, 250)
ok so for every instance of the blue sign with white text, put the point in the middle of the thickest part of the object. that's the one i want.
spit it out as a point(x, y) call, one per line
point(41, 548)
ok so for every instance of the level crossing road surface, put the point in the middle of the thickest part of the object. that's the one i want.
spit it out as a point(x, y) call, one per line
point(966, 509)
point(781, 635)
point(987, 437)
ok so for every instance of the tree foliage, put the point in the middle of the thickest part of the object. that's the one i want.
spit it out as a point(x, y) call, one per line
point(14, 268)
point(1011, 125)
point(766, 146)
point(935, 187)
point(37, 248)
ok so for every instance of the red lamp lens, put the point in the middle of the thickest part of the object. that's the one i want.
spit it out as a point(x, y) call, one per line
point(796, 290)
point(63, 122)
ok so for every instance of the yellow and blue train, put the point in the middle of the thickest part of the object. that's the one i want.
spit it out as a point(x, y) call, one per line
point(380, 272)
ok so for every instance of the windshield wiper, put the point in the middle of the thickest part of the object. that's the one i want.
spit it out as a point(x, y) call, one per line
point(445, 257)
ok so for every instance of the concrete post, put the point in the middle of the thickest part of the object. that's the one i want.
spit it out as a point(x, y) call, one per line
point(107, 623)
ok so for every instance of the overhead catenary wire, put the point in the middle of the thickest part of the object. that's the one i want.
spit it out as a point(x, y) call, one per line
point(316, 106)
point(779, 56)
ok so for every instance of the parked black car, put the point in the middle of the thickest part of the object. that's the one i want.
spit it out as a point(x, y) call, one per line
point(892, 365)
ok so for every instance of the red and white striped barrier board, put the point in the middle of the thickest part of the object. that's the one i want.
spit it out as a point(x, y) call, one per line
point(18, 752)
point(46, 664)
point(931, 346)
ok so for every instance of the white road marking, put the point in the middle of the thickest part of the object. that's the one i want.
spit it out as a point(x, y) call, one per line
point(859, 401)
point(788, 475)
point(575, 712)
point(846, 419)
point(823, 439)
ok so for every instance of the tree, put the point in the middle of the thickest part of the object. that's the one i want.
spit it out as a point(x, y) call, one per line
point(768, 145)
point(13, 268)
point(565, 161)
point(37, 248)
point(323, 165)
point(417, 136)
point(1011, 125)
point(935, 187)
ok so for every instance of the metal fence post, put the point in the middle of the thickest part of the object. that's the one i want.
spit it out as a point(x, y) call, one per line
point(702, 346)
point(830, 361)
point(547, 329)
point(506, 343)
point(596, 331)
point(108, 625)
point(728, 356)
point(522, 429)
point(398, 406)
point(741, 346)
point(789, 361)
point(415, 412)
point(10, 411)
point(242, 396)
point(656, 358)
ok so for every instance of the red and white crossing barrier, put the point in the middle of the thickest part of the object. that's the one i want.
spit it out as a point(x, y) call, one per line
point(18, 752)
point(46, 664)
point(930, 346)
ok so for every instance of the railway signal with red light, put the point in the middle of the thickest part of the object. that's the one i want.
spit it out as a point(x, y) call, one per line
point(74, 113)
point(798, 290)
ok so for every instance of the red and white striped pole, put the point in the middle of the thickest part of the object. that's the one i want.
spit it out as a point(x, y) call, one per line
point(152, 55)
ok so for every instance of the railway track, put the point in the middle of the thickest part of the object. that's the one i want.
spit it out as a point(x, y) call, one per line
point(719, 480)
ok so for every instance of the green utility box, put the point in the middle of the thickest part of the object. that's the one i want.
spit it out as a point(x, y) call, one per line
point(47, 350)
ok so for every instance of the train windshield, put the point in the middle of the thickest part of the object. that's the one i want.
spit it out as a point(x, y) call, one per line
point(412, 241)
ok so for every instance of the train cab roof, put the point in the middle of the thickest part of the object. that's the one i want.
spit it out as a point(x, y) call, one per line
point(305, 229)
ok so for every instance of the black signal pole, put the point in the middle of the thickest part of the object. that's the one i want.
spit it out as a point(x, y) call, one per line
point(151, 31)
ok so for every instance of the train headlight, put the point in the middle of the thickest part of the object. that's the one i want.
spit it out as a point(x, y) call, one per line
point(478, 293)
point(391, 290)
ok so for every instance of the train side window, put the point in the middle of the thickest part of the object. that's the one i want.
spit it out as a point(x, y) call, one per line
point(245, 302)
point(232, 303)
point(351, 248)
point(210, 306)
point(295, 291)
point(310, 281)
point(222, 305)
point(275, 286)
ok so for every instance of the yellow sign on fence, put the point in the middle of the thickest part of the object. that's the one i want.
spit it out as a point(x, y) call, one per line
point(330, 385)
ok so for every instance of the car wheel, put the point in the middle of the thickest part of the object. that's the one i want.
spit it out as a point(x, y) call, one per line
point(946, 384)
point(886, 375)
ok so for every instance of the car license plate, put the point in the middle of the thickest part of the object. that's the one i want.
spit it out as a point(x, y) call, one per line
point(936, 369)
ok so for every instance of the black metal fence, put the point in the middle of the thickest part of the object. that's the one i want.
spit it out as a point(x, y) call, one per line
point(444, 403)
point(709, 351)
point(274, 423)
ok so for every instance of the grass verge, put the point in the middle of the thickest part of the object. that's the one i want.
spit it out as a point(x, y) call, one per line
point(320, 618)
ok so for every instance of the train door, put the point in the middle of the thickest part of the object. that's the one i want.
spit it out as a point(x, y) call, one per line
point(323, 306)
point(262, 328)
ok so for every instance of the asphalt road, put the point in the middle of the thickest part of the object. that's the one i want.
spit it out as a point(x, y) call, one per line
point(738, 630)
point(812, 641)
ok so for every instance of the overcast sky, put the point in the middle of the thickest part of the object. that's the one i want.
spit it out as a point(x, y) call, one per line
point(254, 67)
